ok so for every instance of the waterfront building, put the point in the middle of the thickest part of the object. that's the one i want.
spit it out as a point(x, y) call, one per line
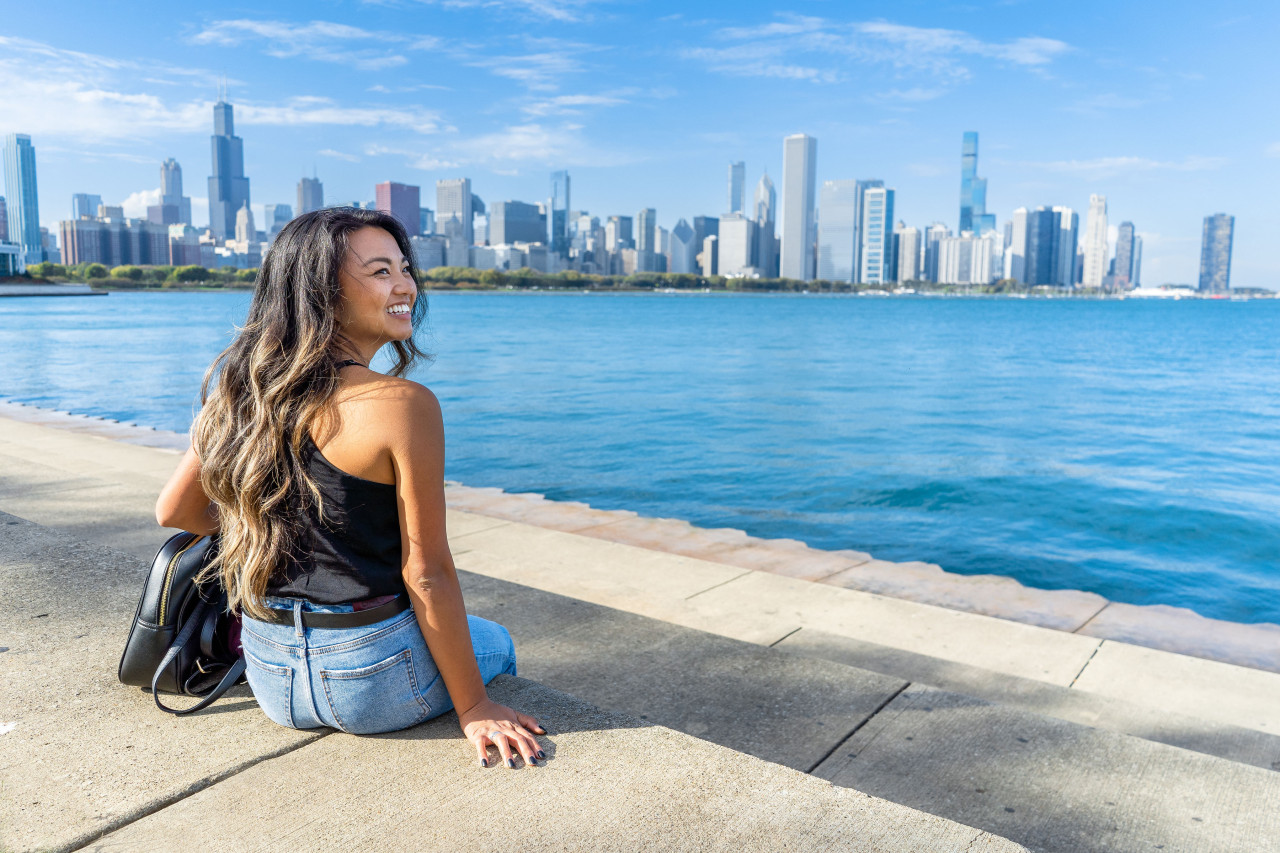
point(734, 245)
point(228, 186)
point(909, 251)
point(559, 205)
point(877, 224)
point(23, 206)
point(11, 259)
point(646, 220)
point(455, 219)
point(708, 257)
point(516, 222)
point(932, 236)
point(110, 211)
point(1095, 243)
point(4, 221)
point(1015, 246)
point(480, 229)
point(402, 201)
point(970, 259)
point(704, 227)
point(49, 246)
point(113, 242)
point(1215, 253)
point(1049, 252)
point(429, 251)
point(1122, 271)
point(245, 230)
point(799, 171)
point(738, 187)
point(276, 217)
point(173, 207)
point(426, 221)
point(837, 231)
point(973, 190)
point(683, 252)
point(84, 205)
point(618, 234)
point(184, 245)
point(310, 195)
point(862, 187)
point(766, 205)
point(1136, 280)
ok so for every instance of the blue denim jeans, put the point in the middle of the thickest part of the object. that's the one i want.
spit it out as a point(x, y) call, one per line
point(377, 678)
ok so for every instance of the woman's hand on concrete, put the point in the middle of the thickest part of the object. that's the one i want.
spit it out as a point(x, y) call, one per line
point(490, 723)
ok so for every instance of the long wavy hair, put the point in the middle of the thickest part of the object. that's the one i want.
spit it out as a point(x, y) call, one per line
point(262, 393)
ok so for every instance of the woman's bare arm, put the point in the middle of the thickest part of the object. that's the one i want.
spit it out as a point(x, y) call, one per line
point(416, 440)
point(183, 503)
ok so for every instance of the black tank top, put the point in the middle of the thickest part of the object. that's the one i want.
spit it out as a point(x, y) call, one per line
point(354, 553)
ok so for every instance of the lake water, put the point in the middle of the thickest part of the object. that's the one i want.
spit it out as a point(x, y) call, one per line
point(1127, 448)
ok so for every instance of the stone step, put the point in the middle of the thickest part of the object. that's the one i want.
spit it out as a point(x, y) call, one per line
point(87, 762)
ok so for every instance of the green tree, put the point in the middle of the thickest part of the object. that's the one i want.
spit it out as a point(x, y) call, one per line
point(247, 275)
point(96, 271)
point(191, 272)
point(129, 272)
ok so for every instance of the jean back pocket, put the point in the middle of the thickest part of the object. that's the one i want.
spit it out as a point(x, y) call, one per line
point(272, 686)
point(383, 697)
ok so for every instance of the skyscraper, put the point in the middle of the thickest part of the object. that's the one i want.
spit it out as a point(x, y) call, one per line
point(1049, 249)
point(646, 221)
point(734, 245)
point(275, 217)
point(799, 175)
point(516, 222)
point(228, 187)
point(1123, 276)
point(310, 195)
point(402, 202)
point(933, 236)
point(560, 213)
point(1015, 250)
point(1095, 242)
point(683, 253)
point(1215, 253)
point(4, 221)
point(20, 191)
point(455, 219)
point(861, 188)
point(766, 206)
point(85, 205)
point(973, 190)
point(171, 193)
point(877, 224)
point(908, 253)
point(1136, 280)
point(737, 187)
point(837, 233)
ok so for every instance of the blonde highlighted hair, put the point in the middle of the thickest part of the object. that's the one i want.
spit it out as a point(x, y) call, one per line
point(263, 392)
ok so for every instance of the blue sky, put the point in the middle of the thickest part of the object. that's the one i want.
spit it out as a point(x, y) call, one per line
point(1170, 114)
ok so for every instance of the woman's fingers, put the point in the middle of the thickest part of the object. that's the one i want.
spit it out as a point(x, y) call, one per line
point(530, 723)
point(481, 751)
point(499, 739)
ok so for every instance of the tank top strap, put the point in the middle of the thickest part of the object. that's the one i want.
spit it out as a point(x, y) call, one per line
point(348, 362)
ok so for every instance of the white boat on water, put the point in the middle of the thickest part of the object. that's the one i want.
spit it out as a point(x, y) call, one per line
point(1160, 293)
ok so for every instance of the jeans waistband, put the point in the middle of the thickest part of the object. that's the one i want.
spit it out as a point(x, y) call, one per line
point(282, 603)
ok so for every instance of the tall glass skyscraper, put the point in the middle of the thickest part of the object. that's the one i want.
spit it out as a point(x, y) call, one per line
point(23, 205)
point(85, 205)
point(228, 187)
point(559, 221)
point(837, 230)
point(973, 190)
point(799, 174)
point(737, 187)
point(1215, 253)
point(1095, 242)
point(877, 236)
point(766, 202)
point(1123, 274)
point(310, 195)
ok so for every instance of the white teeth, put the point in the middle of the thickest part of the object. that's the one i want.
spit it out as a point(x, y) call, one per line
point(398, 309)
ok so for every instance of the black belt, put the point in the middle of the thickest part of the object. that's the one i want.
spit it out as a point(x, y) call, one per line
point(354, 619)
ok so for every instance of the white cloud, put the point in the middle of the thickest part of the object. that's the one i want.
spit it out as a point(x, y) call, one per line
point(323, 41)
point(567, 11)
point(338, 155)
point(571, 104)
point(135, 206)
point(540, 72)
point(73, 95)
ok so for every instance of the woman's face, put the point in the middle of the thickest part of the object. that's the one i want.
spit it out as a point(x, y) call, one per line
point(377, 291)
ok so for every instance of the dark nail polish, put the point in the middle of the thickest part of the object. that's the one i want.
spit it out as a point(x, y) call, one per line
point(484, 762)
point(511, 762)
point(533, 762)
point(542, 754)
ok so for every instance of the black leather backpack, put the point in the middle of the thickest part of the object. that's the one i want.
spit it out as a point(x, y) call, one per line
point(180, 638)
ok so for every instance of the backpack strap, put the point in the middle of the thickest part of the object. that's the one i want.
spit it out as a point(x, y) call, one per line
point(185, 636)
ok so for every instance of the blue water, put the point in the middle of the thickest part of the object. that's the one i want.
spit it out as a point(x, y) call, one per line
point(1128, 448)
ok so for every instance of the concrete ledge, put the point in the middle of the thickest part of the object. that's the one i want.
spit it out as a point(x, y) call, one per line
point(609, 783)
point(38, 289)
point(1177, 629)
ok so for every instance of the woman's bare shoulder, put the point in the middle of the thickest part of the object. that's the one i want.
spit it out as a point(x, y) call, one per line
point(396, 407)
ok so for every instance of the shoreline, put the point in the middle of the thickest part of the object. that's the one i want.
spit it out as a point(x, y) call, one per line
point(1165, 627)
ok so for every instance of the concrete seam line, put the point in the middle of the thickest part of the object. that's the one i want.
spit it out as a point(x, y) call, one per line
point(83, 841)
point(1086, 664)
point(718, 585)
point(858, 727)
point(783, 637)
point(1095, 615)
point(502, 522)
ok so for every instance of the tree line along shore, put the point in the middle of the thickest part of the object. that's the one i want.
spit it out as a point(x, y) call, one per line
point(192, 277)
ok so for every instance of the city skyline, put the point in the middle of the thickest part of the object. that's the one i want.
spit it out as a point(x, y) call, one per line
point(506, 94)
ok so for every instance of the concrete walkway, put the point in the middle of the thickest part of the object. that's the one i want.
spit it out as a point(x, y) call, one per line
point(1056, 740)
